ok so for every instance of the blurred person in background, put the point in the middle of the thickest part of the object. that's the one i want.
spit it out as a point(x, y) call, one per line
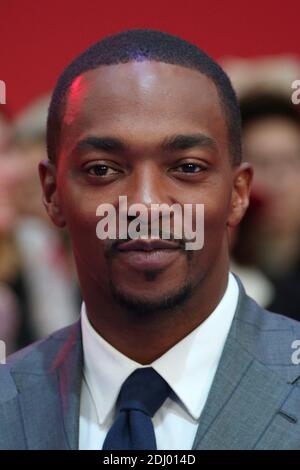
point(49, 288)
point(10, 176)
point(268, 241)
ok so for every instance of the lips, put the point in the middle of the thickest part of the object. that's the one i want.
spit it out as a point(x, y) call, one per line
point(147, 254)
point(148, 245)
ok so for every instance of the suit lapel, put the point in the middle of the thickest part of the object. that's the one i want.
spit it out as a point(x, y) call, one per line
point(49, 398)
point(70, 378)
point(249, 401)
point(41, 411)
point(244, 398)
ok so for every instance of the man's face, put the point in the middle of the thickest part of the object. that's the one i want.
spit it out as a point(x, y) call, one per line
point(132, 113)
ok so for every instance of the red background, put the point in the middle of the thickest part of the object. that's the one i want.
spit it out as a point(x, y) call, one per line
point(39, 37)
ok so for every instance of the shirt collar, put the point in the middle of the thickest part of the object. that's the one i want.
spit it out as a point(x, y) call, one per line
point(188, 366)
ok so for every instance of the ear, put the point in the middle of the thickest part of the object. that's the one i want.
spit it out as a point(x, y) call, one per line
point(242, 178)
point(47, 172)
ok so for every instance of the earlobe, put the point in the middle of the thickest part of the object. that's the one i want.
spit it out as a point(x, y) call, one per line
point(240, 194)
point(47, 172)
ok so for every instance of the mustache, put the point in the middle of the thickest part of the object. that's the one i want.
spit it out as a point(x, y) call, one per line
point(111, 246)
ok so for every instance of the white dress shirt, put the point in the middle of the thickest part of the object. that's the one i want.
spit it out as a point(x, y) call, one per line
point(188, 367)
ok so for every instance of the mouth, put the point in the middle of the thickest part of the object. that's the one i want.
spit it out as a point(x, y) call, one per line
point(151, 254)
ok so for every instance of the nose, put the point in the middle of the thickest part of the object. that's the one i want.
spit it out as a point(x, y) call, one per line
point(148, 187)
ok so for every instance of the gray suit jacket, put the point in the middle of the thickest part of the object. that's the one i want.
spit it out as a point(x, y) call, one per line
point(254, 402)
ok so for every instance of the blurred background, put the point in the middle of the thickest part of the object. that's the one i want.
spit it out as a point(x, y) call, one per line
point(258, 44)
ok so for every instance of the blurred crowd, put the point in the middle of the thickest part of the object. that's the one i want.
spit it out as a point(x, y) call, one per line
point(266, 245)
point(38, 287)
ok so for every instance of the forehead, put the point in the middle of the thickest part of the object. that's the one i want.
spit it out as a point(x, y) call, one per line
point(146, 96)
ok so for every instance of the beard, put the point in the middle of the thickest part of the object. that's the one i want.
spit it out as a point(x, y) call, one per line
point(143, 306)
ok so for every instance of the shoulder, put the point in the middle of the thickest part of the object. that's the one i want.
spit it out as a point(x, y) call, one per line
point(260, 319)
point(38, 358)
point(271, 338)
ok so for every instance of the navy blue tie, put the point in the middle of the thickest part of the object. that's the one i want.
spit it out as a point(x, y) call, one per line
point(141, 395)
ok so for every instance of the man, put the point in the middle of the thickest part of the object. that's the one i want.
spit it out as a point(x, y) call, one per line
point(170, 353)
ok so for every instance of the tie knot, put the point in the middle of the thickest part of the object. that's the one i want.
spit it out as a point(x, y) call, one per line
point(144, 390)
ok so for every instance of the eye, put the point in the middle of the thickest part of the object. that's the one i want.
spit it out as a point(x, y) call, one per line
point(101, 170)
point(190, 168)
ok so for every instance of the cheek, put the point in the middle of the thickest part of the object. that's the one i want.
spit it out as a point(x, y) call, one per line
point(217, 214)
point(217, 211)
point(82, 229)
point(215, 227)
point(216, 200)
point(80, 214)
point(79, 210)
point(217, 205)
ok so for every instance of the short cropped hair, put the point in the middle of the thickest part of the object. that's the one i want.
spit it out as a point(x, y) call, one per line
point(145, 45)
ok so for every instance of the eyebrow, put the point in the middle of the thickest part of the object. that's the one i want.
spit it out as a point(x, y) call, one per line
point(108, 144)
point(185, 142)
point(173, 143)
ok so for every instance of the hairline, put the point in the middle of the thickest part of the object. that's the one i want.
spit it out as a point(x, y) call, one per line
point(223, 106)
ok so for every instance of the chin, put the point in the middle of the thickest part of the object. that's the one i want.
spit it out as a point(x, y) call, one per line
point(150, 301)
